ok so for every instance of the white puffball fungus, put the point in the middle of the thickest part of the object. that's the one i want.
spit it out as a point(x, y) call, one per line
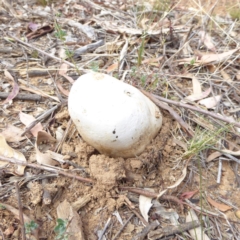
point(112, 116)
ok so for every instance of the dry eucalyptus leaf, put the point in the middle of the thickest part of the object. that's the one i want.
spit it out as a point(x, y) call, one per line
point(66, 212)
point(220, 206)
point(213, 156)
point(13, 134)
point(7, 151)
point(196, 233)
point(208, 58)
point(43, 157)
point(16, 212)
point(27, 119)
point(211, 102)
point(184, 173)
point(207, 40)
point(145, 203)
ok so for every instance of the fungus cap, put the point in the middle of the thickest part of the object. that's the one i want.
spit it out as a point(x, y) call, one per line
point(112, 116)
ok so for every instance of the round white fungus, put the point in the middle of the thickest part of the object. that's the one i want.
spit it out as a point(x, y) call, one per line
point(112, 116)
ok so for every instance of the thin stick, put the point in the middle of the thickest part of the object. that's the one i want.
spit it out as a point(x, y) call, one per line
point(20, 212)
point(123, 226)
point(44, 53)
point(22, 96)
point(40, 118)
point(48, 168)
point(179, 104)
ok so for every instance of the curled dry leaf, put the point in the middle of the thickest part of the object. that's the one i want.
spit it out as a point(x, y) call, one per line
point(63, 70)
point(211, 102)
point(207, 58)
point(65, 211)
point(16, 212)
point(226, 76)
point(196, 233)
point(237, 153)
point(14, 91)
point(7, 151)
point(220, 206)
point(184, 173)
point(213, 156)
point(237, 214)
point(13, 134)
point(195, 97)
point(27, 119)
point(207, 40)
point(188, 195)
point(112, 67)
point(44, 158)
point(145, 203)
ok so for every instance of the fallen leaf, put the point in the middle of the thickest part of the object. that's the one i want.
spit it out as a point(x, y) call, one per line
point(150, 61)
point(194, 97)
point(207, 40)
point(237, 153)
point(27, 119)
point(64, 91)
point(13, 134)
point(237, 214)
point(196, 233)
point(226, 76)
point(74, 228)
point(207, 58)
point(220, 206)
point(44, 157)
point(14, 91)
point(10, 230)
point(188, 195)
point(184, 173)
point(7, 151)
point(15, 212)
point(213, 156)
point(112, 67)
point(211, 102)
point(25, 86)
point(63, 70)
point(145, 203)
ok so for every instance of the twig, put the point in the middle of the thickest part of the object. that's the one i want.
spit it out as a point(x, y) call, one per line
point(46, 168)
point(46, 194)
point(58, 147)
point(219, 171)
point(170, 110)
point(123, 226)
point(44, 53)
point(146, 230)
point(20, 212)
point(22, 96)
point(171, 230)
point(104, 229)
point(3, 238)
point(40, 118)
point(154, 195)
point(179, 104)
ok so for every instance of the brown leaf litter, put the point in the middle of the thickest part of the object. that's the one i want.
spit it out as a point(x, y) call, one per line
point(53, 185)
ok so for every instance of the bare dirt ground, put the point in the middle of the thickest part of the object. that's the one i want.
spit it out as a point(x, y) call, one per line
point(53, 185)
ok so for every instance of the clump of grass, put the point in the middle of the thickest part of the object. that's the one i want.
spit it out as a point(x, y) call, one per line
point(202, 140)
point(60, 33)
point(44, 2)
point(235, 13)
